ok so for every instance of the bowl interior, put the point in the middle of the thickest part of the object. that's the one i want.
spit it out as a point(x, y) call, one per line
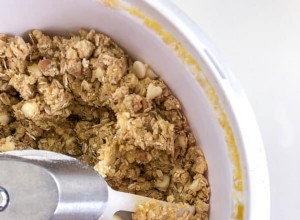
point(63, 16)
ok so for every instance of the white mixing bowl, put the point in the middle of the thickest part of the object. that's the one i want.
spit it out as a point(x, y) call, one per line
point(157, 33)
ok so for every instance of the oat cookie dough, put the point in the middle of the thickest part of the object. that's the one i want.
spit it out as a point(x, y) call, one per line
point(83, 96)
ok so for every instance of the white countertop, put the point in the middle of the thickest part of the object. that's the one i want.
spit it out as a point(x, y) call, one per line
point(260, 40)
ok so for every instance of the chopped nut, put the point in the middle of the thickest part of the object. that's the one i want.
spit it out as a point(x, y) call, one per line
point(150, 73)
point(164, 183)
point(196, 185)
point(30, 109)
point(34, 70)
point(48, 67)
point(98, 74)
point(4, 118)
point(130, 157)
point(85, 63)
point(44, 65)
point(74, 68)
point(159, 173)
point(182, 142)
point(139, 69)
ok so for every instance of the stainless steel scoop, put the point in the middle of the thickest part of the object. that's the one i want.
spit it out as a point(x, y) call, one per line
point(42, 185)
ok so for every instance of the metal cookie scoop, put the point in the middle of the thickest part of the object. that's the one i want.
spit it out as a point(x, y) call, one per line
point(42, 185)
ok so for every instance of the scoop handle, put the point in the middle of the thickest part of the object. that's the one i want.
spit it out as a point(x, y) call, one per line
point(43, 185)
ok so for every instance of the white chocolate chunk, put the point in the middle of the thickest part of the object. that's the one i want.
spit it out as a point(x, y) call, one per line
point(30, 109)
point(139, 69)
point(153, 91)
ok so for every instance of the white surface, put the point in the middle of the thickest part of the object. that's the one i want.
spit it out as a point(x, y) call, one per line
point(260, 40)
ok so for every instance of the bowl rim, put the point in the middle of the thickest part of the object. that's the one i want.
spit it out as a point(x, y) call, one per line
point(240, 110)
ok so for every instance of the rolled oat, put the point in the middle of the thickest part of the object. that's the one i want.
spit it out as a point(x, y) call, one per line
point(83, 96)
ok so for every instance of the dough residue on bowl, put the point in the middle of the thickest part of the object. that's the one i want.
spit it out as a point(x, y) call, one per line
point(83, 96)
